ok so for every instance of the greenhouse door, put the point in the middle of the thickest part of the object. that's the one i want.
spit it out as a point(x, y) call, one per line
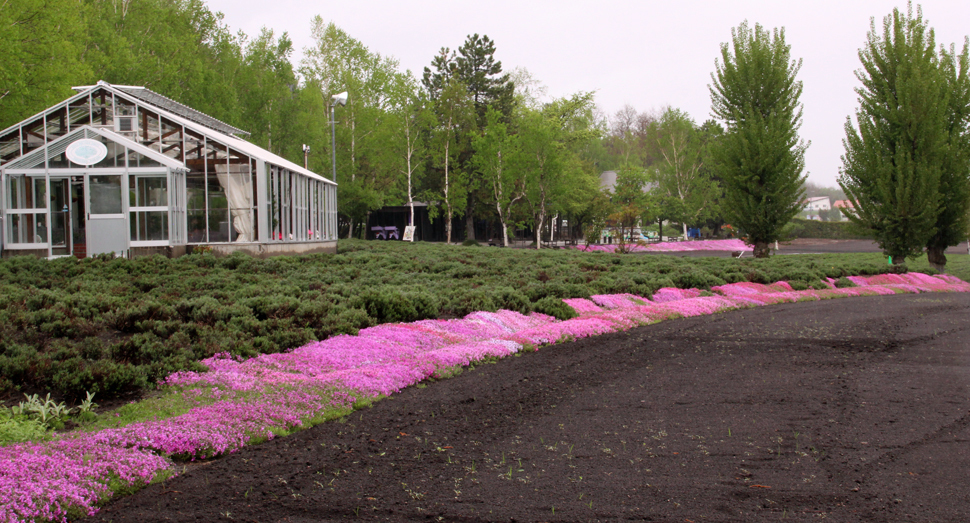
point(62, 241)
point(107, 228)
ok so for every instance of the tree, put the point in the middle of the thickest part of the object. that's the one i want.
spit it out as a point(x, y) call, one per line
point(953, 221)
point(453, 113)
point(630, 201)
point(38, 62)
point(759, 158)
point(266, 86)
point(680, 174)
point(337, 62)
point(550, 142)
point(475, 67)
point(627, 138)
point(410, 114)
point(495, 151)
point(894, 163)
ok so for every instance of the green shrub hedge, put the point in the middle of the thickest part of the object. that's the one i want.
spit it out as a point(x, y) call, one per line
point(799, 228)
point(116, 326)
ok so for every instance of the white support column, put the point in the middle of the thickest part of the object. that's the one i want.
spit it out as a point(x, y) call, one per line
point(262, 202)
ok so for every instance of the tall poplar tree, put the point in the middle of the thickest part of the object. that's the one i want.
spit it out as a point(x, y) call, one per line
point(953, 222)
point(906, 183)
point(760, 158)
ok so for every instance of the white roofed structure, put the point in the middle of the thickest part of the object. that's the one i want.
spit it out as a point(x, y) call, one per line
point(124, 170)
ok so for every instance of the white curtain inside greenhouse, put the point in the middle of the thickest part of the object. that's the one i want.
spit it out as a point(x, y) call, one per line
point(237, 181)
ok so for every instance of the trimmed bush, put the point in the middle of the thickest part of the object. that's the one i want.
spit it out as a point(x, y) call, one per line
point(554, 307)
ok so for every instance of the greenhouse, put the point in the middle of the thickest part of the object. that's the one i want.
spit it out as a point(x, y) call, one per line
point(124, 170)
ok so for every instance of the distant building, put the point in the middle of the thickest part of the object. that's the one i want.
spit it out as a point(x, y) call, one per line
point(124, 170)
point(814, 205)
point(843, 206)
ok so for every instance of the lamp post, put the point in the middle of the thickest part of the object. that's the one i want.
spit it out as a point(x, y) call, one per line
point(341, 99)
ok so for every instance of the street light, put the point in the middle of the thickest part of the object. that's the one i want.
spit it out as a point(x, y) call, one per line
point(341, 99)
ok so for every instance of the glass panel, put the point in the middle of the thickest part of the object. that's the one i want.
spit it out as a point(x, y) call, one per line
point(149, 226)
point(103, 103)
point(10, 146)
point(115, 156)
point(105, 194)
point(26, 192)
point(136, 159)
point(148, 191)
point(218, 210)
point(58, 160)
point(32, 134)
point(80, 112)
point(195, 207)
point(56, 123)
point(78, 223)
point(171, 139)
point(27, 228)
point(60, 213)
point(148, 124)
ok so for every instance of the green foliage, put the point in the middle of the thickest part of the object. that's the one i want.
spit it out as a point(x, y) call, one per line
point(759, 158)
point(116, 327)
point(38, 64)
point(35, 418)
point(893, 162)
point(799, 228)
point(17, 428)
point(953, 221)
point(844, 282)
point(554, 307)
point(683, 174)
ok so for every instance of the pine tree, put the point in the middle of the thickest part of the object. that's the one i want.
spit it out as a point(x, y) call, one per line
point(760, 159)
point(894, 161)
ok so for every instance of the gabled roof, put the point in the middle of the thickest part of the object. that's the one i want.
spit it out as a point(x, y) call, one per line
point(188, 118)
point(87, 131)
point(163, 102)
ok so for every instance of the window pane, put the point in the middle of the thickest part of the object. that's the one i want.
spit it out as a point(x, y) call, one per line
point(218, 209)
point(105, 194)
point(195, 207)
point(26, 192)
point(147, 191)
point(27, 228)
point(149, 226)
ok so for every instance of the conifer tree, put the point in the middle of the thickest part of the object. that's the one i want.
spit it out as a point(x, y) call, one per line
point(904, 166)
point(953, 222)
point(760, 158)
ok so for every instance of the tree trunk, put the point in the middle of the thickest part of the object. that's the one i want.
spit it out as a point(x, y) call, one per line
point(761, 249)
point(448, 226)
point(470, 219)
point(685, 230)
point(661, 223)
point(937, 258)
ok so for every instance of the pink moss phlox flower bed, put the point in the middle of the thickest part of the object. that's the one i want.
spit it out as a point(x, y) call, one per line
point(692, 245)
point(239, 402)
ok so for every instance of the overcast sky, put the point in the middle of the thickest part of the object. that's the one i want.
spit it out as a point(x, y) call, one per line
point(648, 54)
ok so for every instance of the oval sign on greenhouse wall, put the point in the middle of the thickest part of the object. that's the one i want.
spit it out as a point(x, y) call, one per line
point(86, 152)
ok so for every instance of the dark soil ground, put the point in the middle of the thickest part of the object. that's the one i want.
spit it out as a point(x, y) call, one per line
point(845, 410)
